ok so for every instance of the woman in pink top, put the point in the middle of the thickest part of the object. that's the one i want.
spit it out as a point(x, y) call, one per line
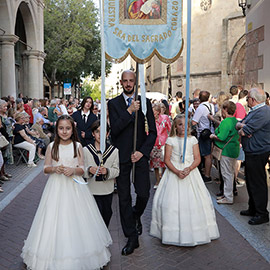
point(240, 114)
point(163, 125)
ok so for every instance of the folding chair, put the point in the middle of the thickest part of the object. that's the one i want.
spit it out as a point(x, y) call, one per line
point(21, 154)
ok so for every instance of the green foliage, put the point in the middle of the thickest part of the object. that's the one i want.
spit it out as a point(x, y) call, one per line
point(92, 89)
point(72, 40)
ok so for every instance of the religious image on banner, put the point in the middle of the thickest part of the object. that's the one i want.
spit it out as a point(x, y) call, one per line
point(142, 29)
point(143, 12)
point(143, 9)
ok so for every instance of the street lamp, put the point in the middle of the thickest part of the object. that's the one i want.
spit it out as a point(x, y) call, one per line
point(244, 4)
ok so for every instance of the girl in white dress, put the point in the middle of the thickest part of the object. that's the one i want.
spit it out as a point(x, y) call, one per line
point(182, 213)
point(68, 232)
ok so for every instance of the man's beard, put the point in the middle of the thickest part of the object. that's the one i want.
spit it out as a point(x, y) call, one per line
point(128, 92)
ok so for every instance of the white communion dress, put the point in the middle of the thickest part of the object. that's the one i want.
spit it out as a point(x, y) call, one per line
point(68, 232)
point(183, 213)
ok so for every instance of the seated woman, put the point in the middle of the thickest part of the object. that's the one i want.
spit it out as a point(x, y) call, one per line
point(41, 146)
point(22, 140)
point(37, 127)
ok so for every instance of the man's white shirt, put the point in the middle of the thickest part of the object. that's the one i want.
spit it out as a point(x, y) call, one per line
point(201, 118)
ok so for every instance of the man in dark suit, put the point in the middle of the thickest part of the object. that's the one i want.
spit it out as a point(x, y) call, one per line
point(84, 119)
point(122, 118)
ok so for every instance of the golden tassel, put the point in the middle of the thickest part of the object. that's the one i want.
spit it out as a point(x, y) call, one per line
point(146, 126)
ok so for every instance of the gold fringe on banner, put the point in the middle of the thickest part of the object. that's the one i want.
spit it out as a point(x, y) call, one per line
point(147, 59)
point(146, 126)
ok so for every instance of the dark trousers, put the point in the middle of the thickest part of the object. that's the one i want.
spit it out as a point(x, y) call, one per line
point(104, 203)
point(142, 187)
point(256, 183)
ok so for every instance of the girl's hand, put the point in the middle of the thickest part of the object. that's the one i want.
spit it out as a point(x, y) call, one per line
point(186, 171)
point(93, 170)
point(67, 171)
point(103, 170)
point(59, 169)
point(83, 134)
point(181, 174)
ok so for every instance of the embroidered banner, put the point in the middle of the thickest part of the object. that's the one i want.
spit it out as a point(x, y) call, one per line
point(142, 29)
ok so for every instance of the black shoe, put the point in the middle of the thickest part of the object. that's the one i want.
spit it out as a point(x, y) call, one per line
point(258, 220)
point(207, 180)
point(129, 247)
point(138, 226)
point(1, 183)
point(235, 193)
point(247, 213)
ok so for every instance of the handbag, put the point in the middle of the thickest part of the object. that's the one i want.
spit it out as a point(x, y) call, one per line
point(205, 134)
point(3, 141)
point(217, 152)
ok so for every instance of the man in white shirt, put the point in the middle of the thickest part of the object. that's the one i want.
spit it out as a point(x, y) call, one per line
point(195, 94)
point(204, 125)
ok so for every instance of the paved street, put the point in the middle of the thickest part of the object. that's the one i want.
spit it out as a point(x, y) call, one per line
point(230, 251)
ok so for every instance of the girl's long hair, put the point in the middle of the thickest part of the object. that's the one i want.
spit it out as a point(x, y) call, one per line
point(74, 137)
point(173, 128)
point(84, 101)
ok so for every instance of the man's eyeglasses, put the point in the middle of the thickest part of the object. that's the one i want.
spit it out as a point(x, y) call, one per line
point(247, 98)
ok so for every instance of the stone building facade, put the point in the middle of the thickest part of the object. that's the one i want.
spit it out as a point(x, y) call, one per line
point(21, 47)
point(217, 51)
point(257, 44)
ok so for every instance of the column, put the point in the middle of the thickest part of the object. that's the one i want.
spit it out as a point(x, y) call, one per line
point(8, 82)
point(35, 61)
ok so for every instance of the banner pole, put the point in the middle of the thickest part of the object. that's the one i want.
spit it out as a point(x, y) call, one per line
point(103, 118)
point(187, 74)
point(136, 121)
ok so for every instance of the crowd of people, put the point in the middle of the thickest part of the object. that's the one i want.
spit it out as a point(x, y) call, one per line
point(29, 124)
point(228, 130)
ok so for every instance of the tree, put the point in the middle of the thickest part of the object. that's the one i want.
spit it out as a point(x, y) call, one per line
point(72, 40)
point(91, 88)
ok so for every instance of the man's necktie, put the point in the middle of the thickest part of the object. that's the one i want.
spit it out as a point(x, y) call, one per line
point(129, 100)
point(84, 118)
